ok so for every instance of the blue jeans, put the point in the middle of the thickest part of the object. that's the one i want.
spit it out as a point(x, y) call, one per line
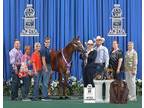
point(15, 83)
point(45, 80)
point(37, 79)
point(25, 86)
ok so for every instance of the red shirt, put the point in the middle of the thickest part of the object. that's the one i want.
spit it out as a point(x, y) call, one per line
point(36, 59)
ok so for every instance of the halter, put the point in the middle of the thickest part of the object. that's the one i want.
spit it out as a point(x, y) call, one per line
point(68, 65)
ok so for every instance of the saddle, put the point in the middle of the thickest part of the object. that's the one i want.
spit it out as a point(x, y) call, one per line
point(107, 75)
point(119, 92)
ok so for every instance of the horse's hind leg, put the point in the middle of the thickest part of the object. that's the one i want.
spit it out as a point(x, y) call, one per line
point(65, 85)
point(60, 84)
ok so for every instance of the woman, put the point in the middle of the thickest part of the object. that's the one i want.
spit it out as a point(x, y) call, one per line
point(37, 68)
point(89, 62)
point(131, 61)
point(115, 62)
point(25, 72)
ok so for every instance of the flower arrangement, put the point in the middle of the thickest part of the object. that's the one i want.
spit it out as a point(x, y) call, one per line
point(139, 87)
point(75, 87)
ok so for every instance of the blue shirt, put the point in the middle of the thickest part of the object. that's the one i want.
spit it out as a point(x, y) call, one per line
point(45, 52)
point(102, 55)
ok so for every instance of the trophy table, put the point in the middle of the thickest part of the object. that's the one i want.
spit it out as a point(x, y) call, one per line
point(102, 88)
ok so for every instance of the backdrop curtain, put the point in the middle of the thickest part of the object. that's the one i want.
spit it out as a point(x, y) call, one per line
point(64, 19)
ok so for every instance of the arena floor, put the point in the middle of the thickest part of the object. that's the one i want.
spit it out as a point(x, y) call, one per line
point(73, 103)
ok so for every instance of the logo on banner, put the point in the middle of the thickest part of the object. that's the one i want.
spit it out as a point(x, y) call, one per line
point(29, 22)
point(117, 22)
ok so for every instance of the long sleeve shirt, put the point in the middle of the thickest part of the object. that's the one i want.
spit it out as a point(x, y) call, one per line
point(102, 55)
point(15, 56)
point(131, 61)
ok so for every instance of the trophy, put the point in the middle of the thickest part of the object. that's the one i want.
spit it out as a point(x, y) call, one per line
point(117, 22)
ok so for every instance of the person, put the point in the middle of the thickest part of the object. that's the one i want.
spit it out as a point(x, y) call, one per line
point(26, 73)
point(88, 62)
point(83, 57)
point(15, 62)
point(37, 68)
point(115, 61)
point(46, 61)
point(131, 61)
point(102, 59)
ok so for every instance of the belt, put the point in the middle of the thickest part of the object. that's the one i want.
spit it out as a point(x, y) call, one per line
point(100, 64)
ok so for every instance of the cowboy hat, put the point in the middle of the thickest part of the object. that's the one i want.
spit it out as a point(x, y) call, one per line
point(100, 38)
point(89, 42)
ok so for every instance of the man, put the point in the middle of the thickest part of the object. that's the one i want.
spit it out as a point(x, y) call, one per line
point(15, 63)
point(102, 59)
point(116, 58)
point(45, 53)
point(131, 61)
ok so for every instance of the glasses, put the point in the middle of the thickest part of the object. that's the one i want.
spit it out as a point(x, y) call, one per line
point(38, 46)
point(98, 40)
point(90, 44)
point(47, 42)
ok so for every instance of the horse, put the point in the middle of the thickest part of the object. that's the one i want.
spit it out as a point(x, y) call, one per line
point(61, 63)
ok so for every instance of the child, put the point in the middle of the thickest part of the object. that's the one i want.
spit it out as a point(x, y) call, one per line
point(25, 72)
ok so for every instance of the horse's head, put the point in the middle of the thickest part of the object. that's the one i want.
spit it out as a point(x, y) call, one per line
point(77, 45)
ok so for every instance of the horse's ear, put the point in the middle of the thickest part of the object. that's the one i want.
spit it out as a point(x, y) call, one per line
point(74, 38)
point(78, 38)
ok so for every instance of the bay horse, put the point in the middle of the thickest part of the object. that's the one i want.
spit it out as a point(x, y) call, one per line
point(61, 63)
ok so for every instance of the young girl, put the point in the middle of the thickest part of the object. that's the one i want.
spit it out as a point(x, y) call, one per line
point(25, 72)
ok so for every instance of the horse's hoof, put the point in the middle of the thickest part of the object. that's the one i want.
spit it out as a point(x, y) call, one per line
point(66, 97)
point(60, 97)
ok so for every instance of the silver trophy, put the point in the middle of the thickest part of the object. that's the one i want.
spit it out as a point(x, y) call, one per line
point(29, 22)
point(117, 22)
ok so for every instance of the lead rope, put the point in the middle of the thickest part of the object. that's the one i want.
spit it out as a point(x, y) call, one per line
point(68, 65)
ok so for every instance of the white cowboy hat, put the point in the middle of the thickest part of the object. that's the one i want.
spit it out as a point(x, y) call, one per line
point(100, 38)
point(89, 42)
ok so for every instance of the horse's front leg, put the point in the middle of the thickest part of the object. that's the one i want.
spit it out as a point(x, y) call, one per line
point(65, 85)
point(60, 84)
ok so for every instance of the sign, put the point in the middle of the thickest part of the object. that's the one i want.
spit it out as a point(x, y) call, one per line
point(89, 94)
point(29, 22)
point(117, 22)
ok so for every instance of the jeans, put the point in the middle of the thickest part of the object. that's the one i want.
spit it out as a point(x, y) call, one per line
point(15, 83)
point(45, 80)
point(25, 86)
point(37, 79)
